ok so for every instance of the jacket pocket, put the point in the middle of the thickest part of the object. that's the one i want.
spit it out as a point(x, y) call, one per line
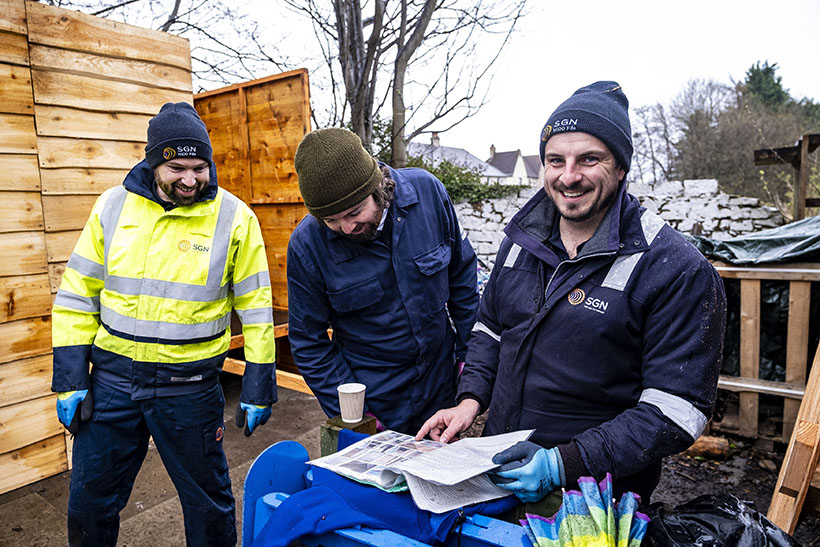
point(356, 297)
point(433, 267)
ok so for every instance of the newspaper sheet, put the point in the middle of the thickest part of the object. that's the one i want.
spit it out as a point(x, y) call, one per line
point(440, 477)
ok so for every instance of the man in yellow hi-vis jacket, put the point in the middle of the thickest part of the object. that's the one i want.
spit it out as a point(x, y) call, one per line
point(146, 298)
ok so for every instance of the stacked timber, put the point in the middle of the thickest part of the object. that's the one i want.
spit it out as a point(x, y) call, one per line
point(76, 94)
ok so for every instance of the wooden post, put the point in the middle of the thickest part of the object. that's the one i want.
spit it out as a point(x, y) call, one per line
point(802, 179)
point(749, 352)
point(797, 348)
point(329, 432)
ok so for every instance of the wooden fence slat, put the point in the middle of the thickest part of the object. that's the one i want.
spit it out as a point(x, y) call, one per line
point(749, 353)
point(111, 68)
point(13, 48)
point(15, 90)
point(25, 379)
point(67, 212)
point(795, 272)
point(13, 16)
point(20, 211)
point(24, 296)
point(32, 463)
point(25, 338)
point(74, 181)
point(17, 135)
point(61, 89)
point(28, 422)
point(26, 173)
point(23, 253)
point(64, 152)
point(58, 121)
point(797, 347)
point(61, 244)
point(73, 30)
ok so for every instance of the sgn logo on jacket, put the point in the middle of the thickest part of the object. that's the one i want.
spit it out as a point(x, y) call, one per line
point(578, 296)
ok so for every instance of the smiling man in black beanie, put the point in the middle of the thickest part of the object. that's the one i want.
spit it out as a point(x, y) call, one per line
point(600, 327)
point(147, 297)
point(382, 260)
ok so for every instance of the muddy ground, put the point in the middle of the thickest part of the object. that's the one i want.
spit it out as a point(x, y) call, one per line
point(748, 472)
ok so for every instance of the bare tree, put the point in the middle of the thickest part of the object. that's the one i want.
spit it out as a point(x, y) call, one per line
point(432, 59)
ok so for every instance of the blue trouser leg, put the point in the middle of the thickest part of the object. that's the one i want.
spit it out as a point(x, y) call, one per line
point(108, 453)
point(187, 431)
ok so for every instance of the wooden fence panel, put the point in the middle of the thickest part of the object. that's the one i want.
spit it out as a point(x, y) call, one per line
point(63, 152)
point(20, 211)
point(33, 463)
point(25, 379)
point(67, 212)
point(25, 338)
point(78, 180)
point(61, 244)
point(26, 173)
point(24, 296)
point(28, 422)
point(17, 134)
point(13, 48)
point(15, 90)
point(13, 16)
point(58, 121)
point(23, 253)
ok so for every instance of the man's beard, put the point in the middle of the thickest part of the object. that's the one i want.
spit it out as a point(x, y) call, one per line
point(368, 234)
point(170, 189)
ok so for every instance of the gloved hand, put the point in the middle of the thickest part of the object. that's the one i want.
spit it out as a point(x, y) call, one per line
point(256, 415)
point(67, 403)
point(528, 470)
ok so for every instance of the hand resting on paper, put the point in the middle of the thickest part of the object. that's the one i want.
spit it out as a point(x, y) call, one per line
point(446, 424)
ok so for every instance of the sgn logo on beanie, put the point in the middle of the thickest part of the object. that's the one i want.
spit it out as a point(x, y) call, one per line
point(169, 153)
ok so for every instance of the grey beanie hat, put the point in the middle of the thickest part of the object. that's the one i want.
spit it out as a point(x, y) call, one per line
point(335, 171)
point(177, 132)
point(601, 110)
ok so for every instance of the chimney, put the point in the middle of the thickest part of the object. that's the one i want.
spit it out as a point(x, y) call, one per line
point(434, 140)
point(492, 151)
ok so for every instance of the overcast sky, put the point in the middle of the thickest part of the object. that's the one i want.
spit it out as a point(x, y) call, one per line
point(652, 48)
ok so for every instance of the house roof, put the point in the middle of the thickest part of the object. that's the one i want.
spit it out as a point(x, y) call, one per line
point(456, 156)
point(533, 165)
point(505, 161)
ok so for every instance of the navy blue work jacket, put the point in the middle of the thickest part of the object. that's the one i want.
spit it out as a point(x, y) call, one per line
point(389, 302)
point(613, 355)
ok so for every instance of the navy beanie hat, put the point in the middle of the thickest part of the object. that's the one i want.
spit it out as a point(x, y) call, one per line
point(177, 132)
point(601, 110)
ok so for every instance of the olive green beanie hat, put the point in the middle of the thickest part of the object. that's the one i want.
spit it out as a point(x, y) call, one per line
point(335, 171)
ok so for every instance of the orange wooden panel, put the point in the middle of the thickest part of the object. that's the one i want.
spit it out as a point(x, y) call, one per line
point(55, 275)
point(61, 244)
point(59, 121)
point(80, 180)
point(17, 134)
point(24, 296)
point(20, 211)
point(13, 48)
point(73, 30)
point(278, 222)
point(25, 338)
point(13, 16)
point(65, 152)
point(67, 212)
point(28, 422)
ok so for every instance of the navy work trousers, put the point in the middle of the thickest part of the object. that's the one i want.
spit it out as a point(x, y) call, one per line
point(109, 450)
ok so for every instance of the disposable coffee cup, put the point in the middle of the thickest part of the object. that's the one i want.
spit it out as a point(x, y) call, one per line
point(351, 402)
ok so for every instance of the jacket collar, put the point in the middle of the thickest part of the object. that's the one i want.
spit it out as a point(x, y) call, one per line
point(620, 230)
point(140, 181)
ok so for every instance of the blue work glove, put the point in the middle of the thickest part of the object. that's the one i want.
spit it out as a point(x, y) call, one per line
point(256, 415)
point(67, 404)
point(528, 470)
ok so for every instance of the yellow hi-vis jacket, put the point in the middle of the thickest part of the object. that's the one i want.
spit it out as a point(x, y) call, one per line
point(147, 295)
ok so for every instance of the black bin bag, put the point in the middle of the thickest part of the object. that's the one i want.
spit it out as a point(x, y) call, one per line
point(712, 521)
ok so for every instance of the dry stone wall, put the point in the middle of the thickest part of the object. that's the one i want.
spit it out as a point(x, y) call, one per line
point(690, 206)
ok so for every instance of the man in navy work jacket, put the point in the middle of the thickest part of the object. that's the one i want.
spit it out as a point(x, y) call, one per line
point(382, 260)
point(600, 327)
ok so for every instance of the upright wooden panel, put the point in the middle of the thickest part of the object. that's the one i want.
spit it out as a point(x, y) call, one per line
point(67, 212)
point(25, 338)
point(23, 253)
point(797, 347)
point(26, 173)
point(28, 422)
point(13, 16)
point(255, 128)
point(749, 352)
point(61, 244)
point(13, 48)
point(17, 134)
point(20, 211)
point(15, 90)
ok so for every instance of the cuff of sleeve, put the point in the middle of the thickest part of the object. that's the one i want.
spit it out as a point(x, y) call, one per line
point(574, 467)
point(474, 397)
point(259, 384)
point(70, 368)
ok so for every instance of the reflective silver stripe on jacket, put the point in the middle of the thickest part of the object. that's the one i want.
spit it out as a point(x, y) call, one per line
point(677, 409)
point(481, 327)
point(512, 256)
point(250, 284)
point(255, 316)
point(165, 289)
point(110, 216)
point(86, 304)
point(621, 270)
point(222, 239)
point(162, 329)
point(86, 267)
